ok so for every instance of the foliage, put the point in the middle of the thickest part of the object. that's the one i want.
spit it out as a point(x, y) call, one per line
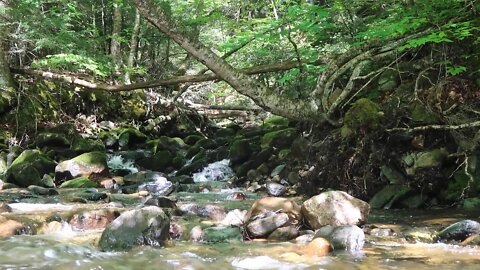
point(73, 62)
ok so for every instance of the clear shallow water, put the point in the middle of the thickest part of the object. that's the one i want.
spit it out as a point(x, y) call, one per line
point(69, 249)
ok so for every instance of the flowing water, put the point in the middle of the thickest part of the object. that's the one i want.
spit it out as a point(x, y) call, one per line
point(70, 249)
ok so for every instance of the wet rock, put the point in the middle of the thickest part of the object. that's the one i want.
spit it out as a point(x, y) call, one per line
point(214, 212)
point(348, 237)
point(275, 189)
point(146, 226)
point(217, 171)
point(89, 195)
point(235, 217)
point(5, 208)
point(388, 196)
point(176, 231)
point(80, 182)
point(382, 232)
point(47, 181)
point(317, 247)
point(423, 235)
point(192, 139)
point(51, 227)
point(222, 234)
point(42, 191)
point(28, 168)
point(160, 187)
point(196, 234)
point(10, 227)
point(263, 226)
point(459, 231)
point(334, 208)
point(473, 240)
point(92, 220)
point(161, 201)
point(90, 165)
point(286, 233)
point(306, 238)
point(272, 204)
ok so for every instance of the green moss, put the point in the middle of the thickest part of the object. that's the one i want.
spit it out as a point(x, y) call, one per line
point(82, 145)
point(283, 154)
point(192, 139)
point(131, 136)
point(364, 114)
point(279, 138)
point(275, 121)
point(240, 151)
point(92, 159)
point(80, 182)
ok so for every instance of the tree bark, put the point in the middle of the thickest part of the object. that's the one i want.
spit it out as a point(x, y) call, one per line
point(266, 98)
point(116, 30)
point(133, 46)
point(7, 86)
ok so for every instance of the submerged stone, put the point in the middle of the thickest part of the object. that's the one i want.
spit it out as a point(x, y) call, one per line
point(146, 226)
point(348, 237)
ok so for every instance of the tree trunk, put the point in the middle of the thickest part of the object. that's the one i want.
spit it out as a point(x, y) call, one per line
point(7, 86)
point(117, 28)
point(133, 46)
point(266, 98)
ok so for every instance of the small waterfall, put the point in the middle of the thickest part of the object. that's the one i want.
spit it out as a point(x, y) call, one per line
point(217, 171)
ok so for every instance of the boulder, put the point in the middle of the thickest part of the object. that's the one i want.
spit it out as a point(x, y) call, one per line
point(347, 237)
point(240, 151)
point(92, 220)
point(90, 165)
point(42, 191)
point(146, 226)
point(158, 162)
point(459, 231)
point(279, 139)
point(130, 136)
point(286, 233)
point(235, 217)
point(272, 204)
point(334, 208)
point(317, 247)
point(28, 168)
point(53, 139)
point(263, 226)
point(83, 145)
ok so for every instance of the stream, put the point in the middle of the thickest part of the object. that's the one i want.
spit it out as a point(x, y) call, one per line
point(70, 249)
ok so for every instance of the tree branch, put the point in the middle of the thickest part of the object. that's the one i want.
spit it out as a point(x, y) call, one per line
point(434, 127)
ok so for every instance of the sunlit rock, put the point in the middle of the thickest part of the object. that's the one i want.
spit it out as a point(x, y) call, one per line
point(334, 208)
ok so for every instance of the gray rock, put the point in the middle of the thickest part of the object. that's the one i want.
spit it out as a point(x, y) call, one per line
point(146, 226)
point(262, 227)
point(42, 191)
point(161, 201)
point(275, 189)
point(348, 237)
point(334, 208)
point(459, 231)
point(286, 233)
point(235, 217)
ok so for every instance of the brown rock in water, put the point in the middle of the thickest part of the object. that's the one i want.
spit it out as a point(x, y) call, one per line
point(214, 212)
point(5, 208)
point(334, 208)
point(284, 205)
point(317, 247)
point(91, 220)
point(10, 227)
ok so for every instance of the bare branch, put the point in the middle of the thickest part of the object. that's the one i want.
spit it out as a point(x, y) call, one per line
point(435, 127)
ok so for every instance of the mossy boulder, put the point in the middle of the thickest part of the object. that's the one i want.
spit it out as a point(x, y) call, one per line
point(129, 137)
point(166, 143)
point(192, 139)
point(279, 139)
point(198, 162)
point(275, 121)
point(28, 168)
point(363, 115)
point(158, 162)
point(52, 139)
point(80, 182)
point(146, 226)
point(240, 151)
point(83, 145)
point(389, 196)
point(91, 165)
